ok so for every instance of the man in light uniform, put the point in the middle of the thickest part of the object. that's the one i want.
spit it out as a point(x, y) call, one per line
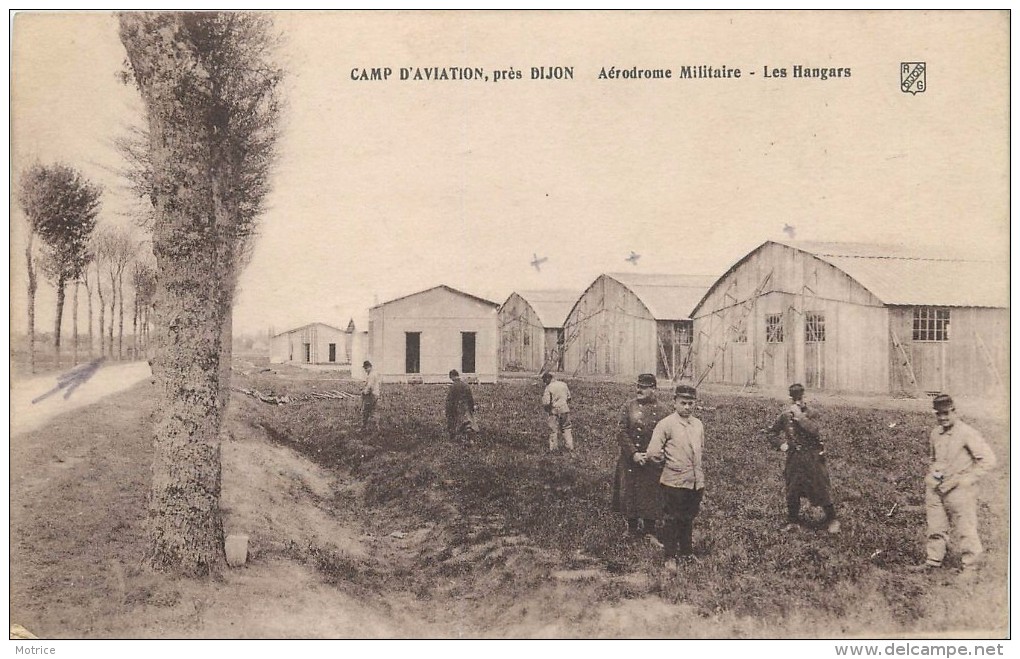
point(677, 443)
point(960, 456)
point(370, 396)
point(555, 400)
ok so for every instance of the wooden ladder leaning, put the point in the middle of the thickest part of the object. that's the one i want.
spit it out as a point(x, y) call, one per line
point(905, 360)
point(747, 307)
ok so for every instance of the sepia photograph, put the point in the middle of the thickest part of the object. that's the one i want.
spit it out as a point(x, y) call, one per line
point(501, 325)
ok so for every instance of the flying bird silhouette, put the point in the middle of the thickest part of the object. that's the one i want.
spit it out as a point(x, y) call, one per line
point(537, 262)
point(790, 231)
point(633, 258)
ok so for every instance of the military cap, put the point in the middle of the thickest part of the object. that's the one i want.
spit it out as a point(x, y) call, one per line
point(686, 391)
point(943, 402)
point(454, 373)
point(546, 376)
point(796, 391)
point(366, 364)
point(647, 380)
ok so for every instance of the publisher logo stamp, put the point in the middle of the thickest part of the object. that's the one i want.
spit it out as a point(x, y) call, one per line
point(912, 77)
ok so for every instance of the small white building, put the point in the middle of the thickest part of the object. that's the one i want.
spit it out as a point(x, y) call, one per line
point(315, 343)
point(420, 337)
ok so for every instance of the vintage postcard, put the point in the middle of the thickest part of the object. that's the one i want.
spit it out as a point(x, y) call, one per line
point(511, 325)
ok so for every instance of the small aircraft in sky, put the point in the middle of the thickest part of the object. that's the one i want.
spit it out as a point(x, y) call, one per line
point(633, 258)
point(537, 262)
point(790, 231)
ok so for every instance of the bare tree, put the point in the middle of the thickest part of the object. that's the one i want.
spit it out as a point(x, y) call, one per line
point(81, 279)
point(115, 248)
point(127, 250)
point(62, 207)
point(86, 282)
point(100, 251)
point(143, 282)
point(210, 92)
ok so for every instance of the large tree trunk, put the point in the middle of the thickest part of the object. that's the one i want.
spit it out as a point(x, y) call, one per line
point(32, 285)
point(74, 324)
point(227, 340)
point(185, 529)
point(57, 322)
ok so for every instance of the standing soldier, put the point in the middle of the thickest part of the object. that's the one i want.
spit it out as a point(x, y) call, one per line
point(636, 492)
point(960, 456)
point(677, 444)
point(370, 396)
point(796, 433)
point(460, 409)
point(556, 401)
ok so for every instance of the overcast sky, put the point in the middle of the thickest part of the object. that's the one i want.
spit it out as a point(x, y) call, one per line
point(388, 187)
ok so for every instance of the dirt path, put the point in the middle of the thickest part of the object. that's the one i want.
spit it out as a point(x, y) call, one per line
point(36, 401)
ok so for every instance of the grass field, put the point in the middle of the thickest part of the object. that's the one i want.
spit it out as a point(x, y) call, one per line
point(399, 533)
point(854, 583)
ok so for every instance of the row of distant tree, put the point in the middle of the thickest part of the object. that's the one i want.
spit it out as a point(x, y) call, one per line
point(69, 248)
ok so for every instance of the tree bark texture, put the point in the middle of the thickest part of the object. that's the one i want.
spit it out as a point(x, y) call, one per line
point(185, 529)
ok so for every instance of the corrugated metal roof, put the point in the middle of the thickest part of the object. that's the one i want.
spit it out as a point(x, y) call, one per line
point(668, 297)
point(444, 286)
point(552, 306)
point(298, 329)
point(930, 276)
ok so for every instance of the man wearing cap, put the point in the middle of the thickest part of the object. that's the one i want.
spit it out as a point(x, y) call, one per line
point(636, 492)
point(460, 409)
point(797, 434)
point(677, 443)
point(556, 401)
point(370, 396)
point(960, 456)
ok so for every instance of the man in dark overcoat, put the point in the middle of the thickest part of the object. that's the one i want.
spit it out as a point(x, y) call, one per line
point(460, 409)
point(636, 492)
point(797, 434)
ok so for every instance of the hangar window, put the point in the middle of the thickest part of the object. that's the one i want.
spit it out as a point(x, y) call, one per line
point(774, 328)
point(684, 330)
point(740, 334)
point(931, 324)
point(814, 327)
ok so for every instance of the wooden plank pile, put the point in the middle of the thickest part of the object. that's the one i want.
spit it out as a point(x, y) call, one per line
point(311, 396)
